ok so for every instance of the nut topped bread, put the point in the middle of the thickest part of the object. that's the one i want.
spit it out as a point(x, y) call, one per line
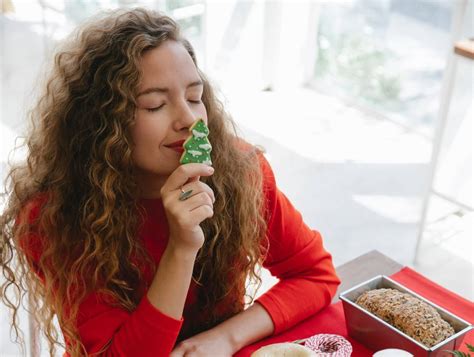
point(410, 315)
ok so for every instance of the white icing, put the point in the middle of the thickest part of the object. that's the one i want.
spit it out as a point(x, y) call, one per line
point(195, 152)
point(197, 134)
point(205, 146)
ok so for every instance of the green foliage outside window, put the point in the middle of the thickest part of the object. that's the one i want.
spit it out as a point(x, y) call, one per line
point(360, 67)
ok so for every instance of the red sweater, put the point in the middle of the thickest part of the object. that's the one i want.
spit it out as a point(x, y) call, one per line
point(296, 256)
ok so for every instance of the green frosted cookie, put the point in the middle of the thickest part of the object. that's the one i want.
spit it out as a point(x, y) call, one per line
point(197, 148)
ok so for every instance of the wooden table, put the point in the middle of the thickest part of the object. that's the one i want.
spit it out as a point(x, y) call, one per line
point(363, 268)
point(332, 320)
point(351, 273)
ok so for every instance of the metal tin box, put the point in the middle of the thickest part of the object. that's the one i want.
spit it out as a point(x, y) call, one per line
point(376, 334)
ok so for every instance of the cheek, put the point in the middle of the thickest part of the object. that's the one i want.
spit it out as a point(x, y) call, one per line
point(146, 136)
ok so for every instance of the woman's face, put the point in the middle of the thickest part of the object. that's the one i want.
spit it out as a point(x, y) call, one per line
point(169, 102)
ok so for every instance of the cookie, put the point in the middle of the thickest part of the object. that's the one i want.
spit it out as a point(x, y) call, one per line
point(197, 148)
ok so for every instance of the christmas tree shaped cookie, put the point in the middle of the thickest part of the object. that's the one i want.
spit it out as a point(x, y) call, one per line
point(197, 147)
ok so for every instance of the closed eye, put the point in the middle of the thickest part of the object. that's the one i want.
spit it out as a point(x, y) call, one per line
point(155, 109)
point(195, 101)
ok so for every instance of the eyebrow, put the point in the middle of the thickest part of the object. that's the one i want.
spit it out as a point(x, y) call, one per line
point(166, 90)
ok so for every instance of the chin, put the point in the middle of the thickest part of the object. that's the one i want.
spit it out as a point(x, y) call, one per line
point(167, 170)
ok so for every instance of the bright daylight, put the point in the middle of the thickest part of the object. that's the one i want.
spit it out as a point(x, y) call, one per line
point(249, 178)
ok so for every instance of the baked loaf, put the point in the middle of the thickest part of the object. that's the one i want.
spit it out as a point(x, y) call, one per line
point(410, 315)
point(286, 349)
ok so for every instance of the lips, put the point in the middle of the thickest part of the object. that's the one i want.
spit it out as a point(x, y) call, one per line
point(176, 146)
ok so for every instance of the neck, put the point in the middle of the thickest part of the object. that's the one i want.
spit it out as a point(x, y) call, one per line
point(150, 185)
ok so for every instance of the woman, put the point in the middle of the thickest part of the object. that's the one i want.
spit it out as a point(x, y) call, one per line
point(104, 239)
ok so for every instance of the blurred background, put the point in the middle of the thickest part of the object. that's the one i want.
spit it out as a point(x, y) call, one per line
point(363, 107)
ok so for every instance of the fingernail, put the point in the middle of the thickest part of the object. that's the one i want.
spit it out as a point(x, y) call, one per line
point(210, 169)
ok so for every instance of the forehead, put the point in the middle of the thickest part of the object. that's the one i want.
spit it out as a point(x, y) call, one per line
point(167, 64)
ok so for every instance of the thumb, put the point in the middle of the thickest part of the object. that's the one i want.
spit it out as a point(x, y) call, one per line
point(194, 179)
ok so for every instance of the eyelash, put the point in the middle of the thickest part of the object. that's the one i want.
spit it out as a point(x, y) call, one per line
point(152, 110)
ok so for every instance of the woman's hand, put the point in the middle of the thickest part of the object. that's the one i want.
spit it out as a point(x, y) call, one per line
point(207, 343)
point(184, 216)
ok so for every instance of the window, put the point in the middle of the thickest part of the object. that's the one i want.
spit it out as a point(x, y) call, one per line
point(385, 55)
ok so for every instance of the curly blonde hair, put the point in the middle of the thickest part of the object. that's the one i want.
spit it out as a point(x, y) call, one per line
point(79, 167)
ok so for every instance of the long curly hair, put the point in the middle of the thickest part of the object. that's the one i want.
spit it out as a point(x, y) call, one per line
point(79, 166)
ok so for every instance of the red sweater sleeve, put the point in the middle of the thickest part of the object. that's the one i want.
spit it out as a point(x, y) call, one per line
point(144, 332)
point(296, 256)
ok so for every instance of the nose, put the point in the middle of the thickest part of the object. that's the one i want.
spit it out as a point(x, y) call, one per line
point(185, 117)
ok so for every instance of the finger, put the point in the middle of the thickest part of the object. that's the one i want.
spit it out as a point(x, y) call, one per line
point(198, 208)
point(197, 200)
point(184, 173)
point(198, 187)
point(181, 350)
point(194, 179)
point(203, 212)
